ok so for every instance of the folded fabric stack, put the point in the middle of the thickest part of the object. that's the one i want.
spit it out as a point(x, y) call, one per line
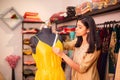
point(70, 11)
point(65, 29)
point(98, 4)
point(110, 2)
point(28, 72)
point(83, 8)
point(26, 41)
point(27, 51)
point(29, 31)
point(32, 17)
point(29, 62)
point(93, 5)
point(58, 16)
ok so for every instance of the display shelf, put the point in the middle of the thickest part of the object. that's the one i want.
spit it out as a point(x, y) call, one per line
point(33, 22)
point(29, 29)
point(30, 64)
point(92, 13)
point(27, 73)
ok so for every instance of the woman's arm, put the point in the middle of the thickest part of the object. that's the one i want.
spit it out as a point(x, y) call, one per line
point(88, 60)
point(67, 59)
point(69, 45)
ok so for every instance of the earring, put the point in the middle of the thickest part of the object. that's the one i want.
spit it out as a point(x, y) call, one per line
point(87, 32)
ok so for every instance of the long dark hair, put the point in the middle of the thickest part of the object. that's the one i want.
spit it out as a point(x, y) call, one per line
point(92, 37)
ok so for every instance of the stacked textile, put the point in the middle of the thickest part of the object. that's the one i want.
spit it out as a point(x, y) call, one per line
point(32, 17)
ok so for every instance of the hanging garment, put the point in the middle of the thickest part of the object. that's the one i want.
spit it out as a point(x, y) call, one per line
point(105, 35)
point(48, 63)
point(112, 59)
point(117, 45)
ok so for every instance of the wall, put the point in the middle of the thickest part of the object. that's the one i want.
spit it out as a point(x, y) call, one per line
point(115, 15)
point(44, 7)
point(10, 43)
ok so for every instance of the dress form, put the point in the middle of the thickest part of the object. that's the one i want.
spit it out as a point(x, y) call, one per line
point(45, 35)
point(41, 45)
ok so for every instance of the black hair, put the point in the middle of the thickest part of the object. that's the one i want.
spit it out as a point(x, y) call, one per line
point(92, 37)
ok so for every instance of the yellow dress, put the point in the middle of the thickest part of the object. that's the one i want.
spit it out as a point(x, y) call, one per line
point(48, 63)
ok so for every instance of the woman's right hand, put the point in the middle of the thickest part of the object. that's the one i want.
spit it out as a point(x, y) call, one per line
point(57, 51)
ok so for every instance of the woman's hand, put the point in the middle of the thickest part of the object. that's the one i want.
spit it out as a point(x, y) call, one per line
point(57, 51)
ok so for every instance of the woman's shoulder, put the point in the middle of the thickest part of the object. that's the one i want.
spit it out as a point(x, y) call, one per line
point(70, 44)
point(96, 53)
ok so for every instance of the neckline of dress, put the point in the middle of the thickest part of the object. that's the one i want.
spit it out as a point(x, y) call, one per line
point(84, 46)
point(46, 43)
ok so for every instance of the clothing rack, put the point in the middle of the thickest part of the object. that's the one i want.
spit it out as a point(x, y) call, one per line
point(108, 22)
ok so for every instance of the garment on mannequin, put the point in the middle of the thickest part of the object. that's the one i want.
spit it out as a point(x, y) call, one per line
point(45, 35)
point(48, 64)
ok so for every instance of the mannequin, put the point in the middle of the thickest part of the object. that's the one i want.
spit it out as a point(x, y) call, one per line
point(44, 35)
point(48, 64)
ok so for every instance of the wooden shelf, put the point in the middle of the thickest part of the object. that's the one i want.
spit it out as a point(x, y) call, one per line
point(95, 12)
point(33, 22)
point(28, 61)
point(29, 64)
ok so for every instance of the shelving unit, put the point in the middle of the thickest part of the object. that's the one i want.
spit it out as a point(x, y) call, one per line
point(29, 29)
point(93, 13)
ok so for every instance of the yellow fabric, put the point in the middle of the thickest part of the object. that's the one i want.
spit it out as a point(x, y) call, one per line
point(48, 63)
